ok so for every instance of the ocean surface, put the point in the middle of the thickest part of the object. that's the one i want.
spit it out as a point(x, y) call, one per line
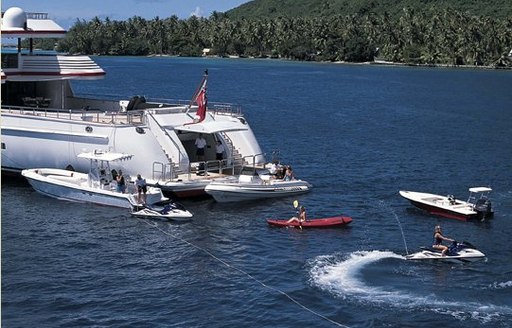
point(359, 134)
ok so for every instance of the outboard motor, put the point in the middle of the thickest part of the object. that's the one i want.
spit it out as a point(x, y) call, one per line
point(484, 207)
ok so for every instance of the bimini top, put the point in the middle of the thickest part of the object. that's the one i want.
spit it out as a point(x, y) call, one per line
point(480, 189)
point(16, 23)
point(101, 155)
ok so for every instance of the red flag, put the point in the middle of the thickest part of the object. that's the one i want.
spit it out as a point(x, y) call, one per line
point(201, 101)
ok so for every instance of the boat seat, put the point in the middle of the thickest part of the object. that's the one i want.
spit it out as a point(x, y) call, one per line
point(245, 179)
point(63, 178)
point(266, 178)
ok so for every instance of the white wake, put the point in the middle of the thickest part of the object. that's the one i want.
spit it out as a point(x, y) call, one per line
point(342, 277)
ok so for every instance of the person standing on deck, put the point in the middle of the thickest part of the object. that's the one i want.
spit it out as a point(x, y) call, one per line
point(121, 184)
point(141, 189)
point(200, 147)
point(219, 151)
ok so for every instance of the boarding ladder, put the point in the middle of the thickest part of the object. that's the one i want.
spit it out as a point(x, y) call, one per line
point(172, 168)
point(235, 153)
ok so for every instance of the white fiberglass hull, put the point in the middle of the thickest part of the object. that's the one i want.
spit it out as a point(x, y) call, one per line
point(74, 186)
point(465, 255)
point(232, 192)
point(440, 205)
point(175, 215)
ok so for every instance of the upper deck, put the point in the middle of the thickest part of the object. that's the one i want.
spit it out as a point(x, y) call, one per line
point(106, 111)
point(16, 23)
point(32, 67)
point(27, 65)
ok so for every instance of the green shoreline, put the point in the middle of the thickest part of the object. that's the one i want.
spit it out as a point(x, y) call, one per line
point(373, 63)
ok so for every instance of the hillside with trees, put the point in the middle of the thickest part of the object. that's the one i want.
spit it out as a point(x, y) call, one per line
point(323, 8)
point(430, 36)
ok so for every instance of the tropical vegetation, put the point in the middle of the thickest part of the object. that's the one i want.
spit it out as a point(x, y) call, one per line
point(325, 8)
point(429, 37)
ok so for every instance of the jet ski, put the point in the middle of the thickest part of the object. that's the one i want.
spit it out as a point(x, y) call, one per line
point(461, 252)
point(171, 211)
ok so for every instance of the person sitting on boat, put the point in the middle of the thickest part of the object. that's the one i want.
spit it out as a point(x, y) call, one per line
point(302, 216)
point(438, 240)
point(275, 169)
point(141, 189)
point(288, 175)
point(121, 185)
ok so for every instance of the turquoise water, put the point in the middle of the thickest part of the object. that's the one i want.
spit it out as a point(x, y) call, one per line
point(359, 134)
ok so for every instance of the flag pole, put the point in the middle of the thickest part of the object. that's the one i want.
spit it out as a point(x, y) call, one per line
point(198, 89)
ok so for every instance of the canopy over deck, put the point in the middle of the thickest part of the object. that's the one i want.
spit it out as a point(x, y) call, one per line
point(480, 189)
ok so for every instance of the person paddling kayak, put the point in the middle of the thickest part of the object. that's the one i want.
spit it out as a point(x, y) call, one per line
point(302, 217)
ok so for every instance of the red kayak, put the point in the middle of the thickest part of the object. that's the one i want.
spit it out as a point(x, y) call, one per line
point(335, 221)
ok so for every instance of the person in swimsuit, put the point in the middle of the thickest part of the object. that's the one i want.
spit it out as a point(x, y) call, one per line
point(302, 216)
point(438, 241)
point(288, 175)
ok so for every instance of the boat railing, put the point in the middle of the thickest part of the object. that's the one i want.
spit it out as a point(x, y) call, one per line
point(249, 161)
point(162, 171)
point(219, 166)
point(225, 109)
point(170, 105)
point(106, 111)
point(85, 114)
point(37, 15)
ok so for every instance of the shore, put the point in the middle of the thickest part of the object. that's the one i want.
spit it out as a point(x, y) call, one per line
point(375, 62)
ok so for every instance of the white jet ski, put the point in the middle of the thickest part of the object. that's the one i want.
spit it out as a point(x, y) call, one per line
point(460, 252)
point(171, 211)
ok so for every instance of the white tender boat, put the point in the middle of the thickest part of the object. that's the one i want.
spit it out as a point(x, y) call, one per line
point(43, 117)
point(98, 186)
point(478, 205)
point(254, 186)
point(457, 252)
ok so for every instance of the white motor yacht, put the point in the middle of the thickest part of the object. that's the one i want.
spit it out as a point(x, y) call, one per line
point(43, 117)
